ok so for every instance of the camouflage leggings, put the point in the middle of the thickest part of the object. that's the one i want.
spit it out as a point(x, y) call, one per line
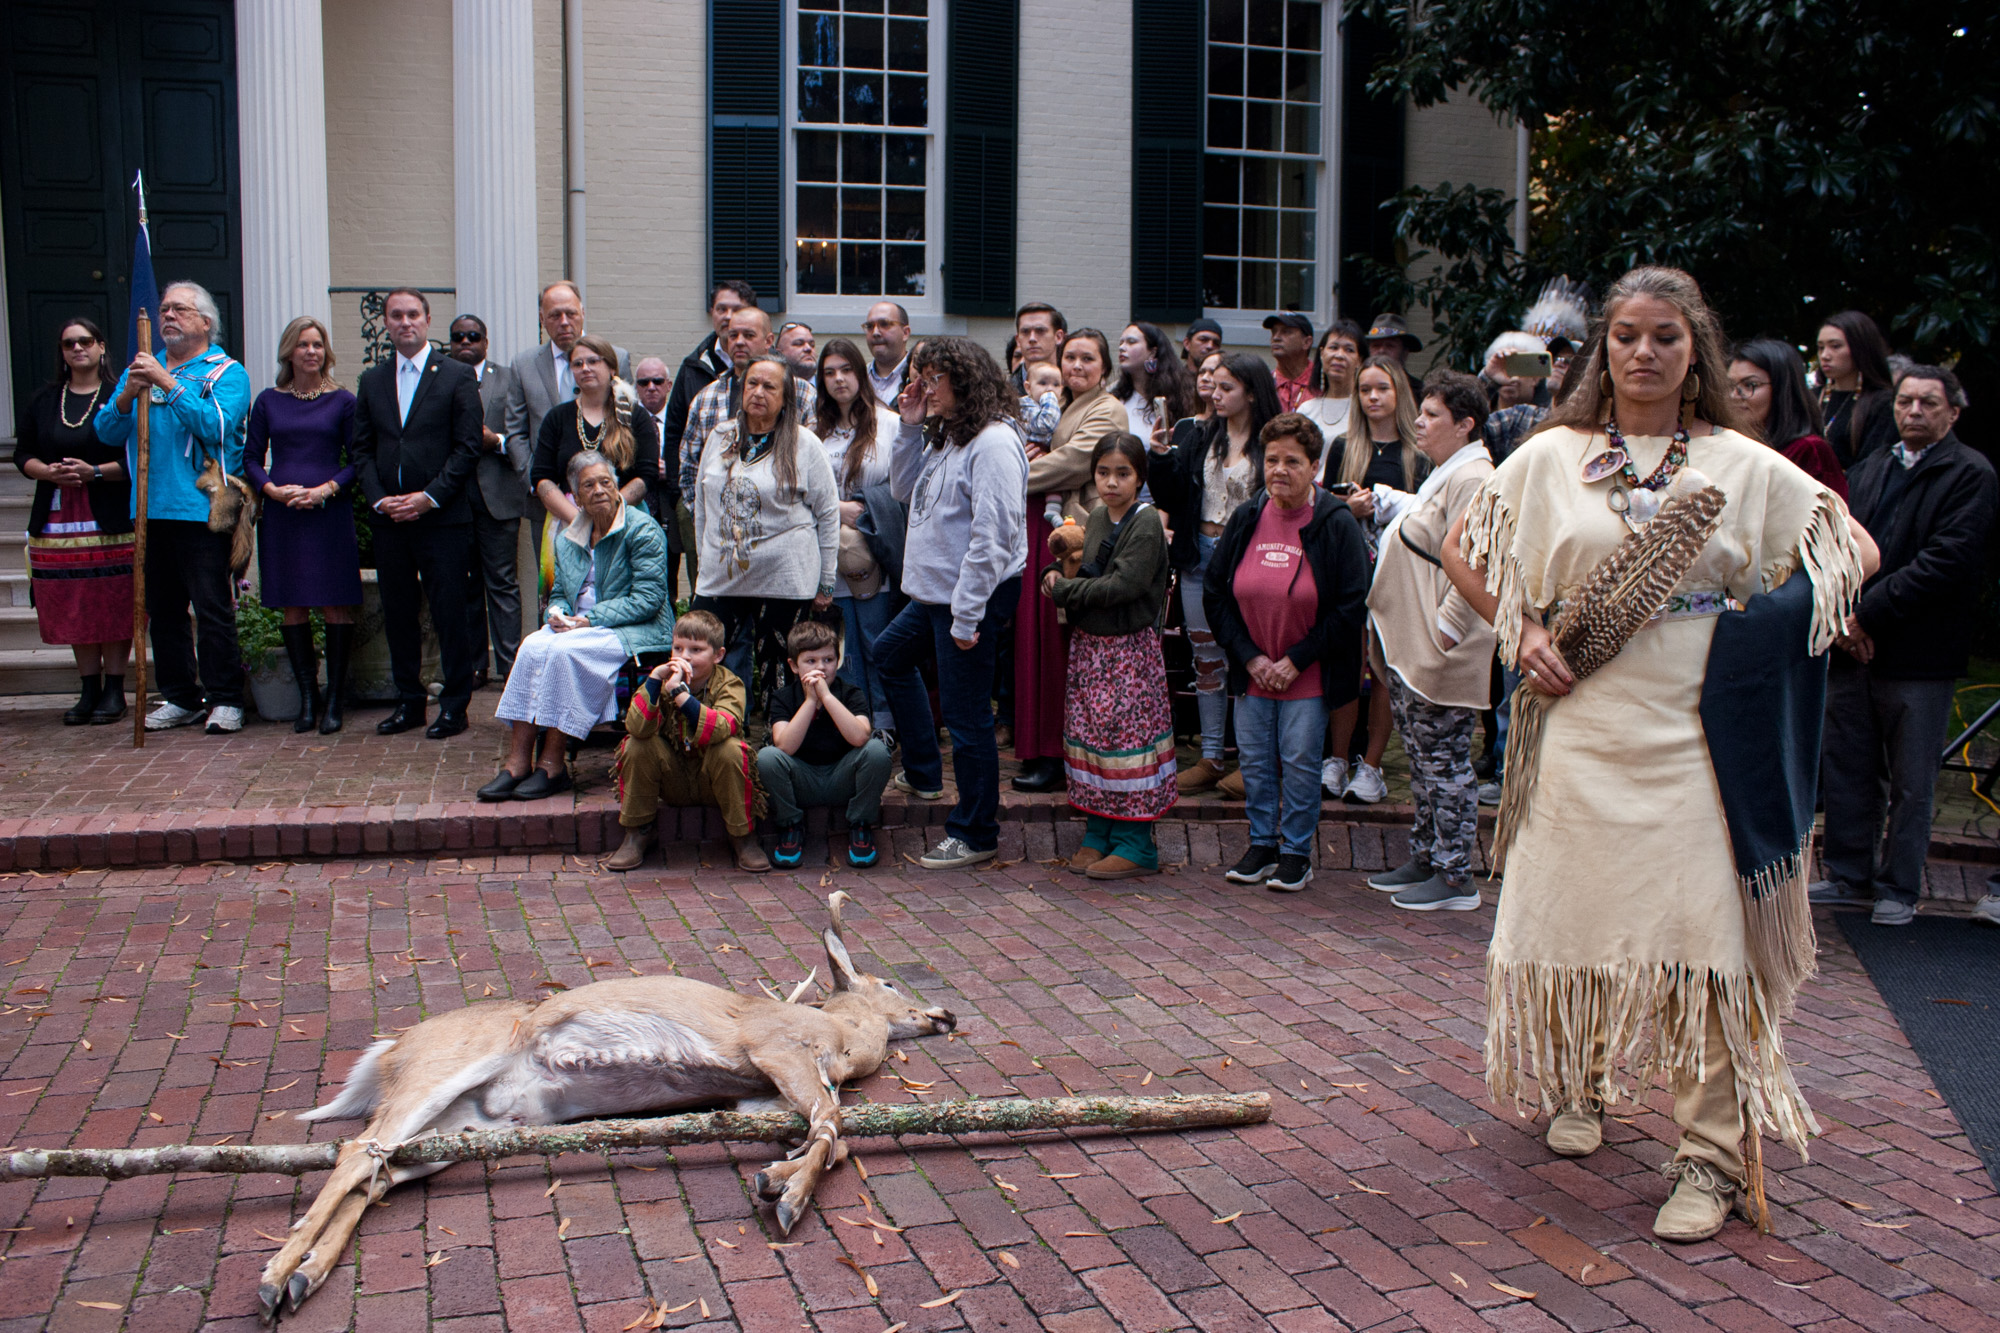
point(1438, 742)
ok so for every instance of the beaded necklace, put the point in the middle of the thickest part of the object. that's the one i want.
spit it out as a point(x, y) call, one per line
point(62, 406)
point(1634, 500)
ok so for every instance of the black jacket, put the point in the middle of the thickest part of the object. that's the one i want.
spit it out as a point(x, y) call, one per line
point(436, 451)
point(1932, 523)
point(1179, 477)
point(1338, 556)
point(698, 370)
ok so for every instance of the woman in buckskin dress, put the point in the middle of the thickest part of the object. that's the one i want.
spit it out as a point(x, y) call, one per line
point(1623, 946)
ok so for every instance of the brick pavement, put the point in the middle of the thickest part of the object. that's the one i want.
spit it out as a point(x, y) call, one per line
point(150, 1006)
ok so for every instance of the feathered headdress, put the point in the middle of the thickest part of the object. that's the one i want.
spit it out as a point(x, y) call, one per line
point(1562, 310)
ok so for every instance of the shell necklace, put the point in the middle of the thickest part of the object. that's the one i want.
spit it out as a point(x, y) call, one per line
point(62, 406)
point(1635, 501)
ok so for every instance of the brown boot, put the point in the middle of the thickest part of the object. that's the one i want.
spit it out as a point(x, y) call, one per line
point(1232, 786)
point(1198, 777)
point(1117, 867)
point(631, 853)
point(750, 854)
point(1084, 858)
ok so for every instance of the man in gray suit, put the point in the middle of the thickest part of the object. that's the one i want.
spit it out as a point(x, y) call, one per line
point(542, 376)
point(499, 497)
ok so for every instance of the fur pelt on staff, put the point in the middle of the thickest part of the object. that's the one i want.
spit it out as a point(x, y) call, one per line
point(233, 508)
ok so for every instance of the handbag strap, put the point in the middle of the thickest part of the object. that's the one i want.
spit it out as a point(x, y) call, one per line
point(1415, 549)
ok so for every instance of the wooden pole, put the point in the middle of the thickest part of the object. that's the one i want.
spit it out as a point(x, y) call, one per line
point(142, 452)
point(865, 1121)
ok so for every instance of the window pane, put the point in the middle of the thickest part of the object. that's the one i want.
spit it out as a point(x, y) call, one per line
point(1295, 235)
point(863, 105)
point(816, 273)
point(819, 212)
point(1301, 78)
point(1295, 287)
point(920, 8)
point(909, 99)
point(1260, 181)
point(1297, 179)
point(1220, 177)
point(903, 218)
point(818, 97)
point(1267, 22)
point(819, 156)
point(1225, 71)
point(1260, 286)
point(819, 39)
point(909, 46)
point(1299, 124)
point(1218, 227)
point(1218, 283)
point(1303, 31)
point(863, 162)
point(860, 270)
point(1225, 22)
point(1225, 122)
point(861, 214)
point(905, 271)
point(1263, 126)
point(862, 6)
point(905, 153)
point(864, 43)
point(1266, 73)
point(1260, 232)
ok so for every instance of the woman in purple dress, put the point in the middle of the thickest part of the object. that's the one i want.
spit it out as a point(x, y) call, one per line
point(298, 454)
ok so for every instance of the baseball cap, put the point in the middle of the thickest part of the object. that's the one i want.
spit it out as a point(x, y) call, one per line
point(1203, 325)
point(1291, 319)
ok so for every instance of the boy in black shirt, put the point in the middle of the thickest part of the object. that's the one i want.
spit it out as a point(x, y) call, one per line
point(821, 750)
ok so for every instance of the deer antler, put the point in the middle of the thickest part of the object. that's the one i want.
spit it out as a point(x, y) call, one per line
point(800, 989)
point(833, 902)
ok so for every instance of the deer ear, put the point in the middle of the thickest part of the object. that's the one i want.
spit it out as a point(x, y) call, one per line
point(844, 972)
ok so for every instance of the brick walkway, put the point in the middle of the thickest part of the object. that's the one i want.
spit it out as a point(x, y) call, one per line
point(160, 1006)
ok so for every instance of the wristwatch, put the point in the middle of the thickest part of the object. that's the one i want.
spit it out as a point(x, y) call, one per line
point(96, 472)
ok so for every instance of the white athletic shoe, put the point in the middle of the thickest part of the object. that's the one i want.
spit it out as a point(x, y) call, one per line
point(223, 719)
point(1367, 785)
point(168, 716)
point(1333, 777)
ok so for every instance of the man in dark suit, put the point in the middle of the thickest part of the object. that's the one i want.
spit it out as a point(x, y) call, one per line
point(416, 446)
point(500, 497)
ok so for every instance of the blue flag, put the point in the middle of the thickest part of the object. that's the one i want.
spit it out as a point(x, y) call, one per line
point(145, 288)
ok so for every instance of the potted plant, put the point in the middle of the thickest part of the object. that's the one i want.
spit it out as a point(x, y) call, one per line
point(272, 686)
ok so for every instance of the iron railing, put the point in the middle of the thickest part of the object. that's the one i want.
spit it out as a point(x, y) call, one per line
point(375, 345)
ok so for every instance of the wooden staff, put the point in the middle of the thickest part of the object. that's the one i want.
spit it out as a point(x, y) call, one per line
point(867, 1120)
point(142, 437)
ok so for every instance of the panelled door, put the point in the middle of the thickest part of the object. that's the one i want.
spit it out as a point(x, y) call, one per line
point(95, 90)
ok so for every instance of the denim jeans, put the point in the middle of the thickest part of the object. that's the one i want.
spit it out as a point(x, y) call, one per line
point(1279, 742)
point(965, 690)
point(1211, 665)
point(865, 619)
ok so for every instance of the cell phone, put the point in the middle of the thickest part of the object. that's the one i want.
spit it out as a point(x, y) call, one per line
point(1528, 365)
point(1341, 488)
point(1160, 411)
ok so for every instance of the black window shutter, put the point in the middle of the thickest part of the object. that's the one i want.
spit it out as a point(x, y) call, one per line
point(1169, 43)
point(745, 152)
point(981, 119)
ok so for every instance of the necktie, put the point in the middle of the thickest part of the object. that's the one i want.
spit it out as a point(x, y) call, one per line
point(406, 388)
point(565, 385)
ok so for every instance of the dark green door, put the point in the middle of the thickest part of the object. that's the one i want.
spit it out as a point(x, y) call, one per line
point(95, 91)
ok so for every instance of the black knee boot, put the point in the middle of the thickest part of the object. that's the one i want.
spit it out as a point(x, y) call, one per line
point(339, 644)
point(305, 669)
point(86, 703)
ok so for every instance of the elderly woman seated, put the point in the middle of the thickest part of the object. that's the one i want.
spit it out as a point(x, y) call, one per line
point(609, 603)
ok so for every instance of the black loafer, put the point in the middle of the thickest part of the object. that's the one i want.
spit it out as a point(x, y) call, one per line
point(539, 784)
point(502, 787)
point(407, 717)
point(450, 722)
point(1040, 775)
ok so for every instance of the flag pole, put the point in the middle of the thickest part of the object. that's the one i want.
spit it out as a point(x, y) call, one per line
point(142, 432)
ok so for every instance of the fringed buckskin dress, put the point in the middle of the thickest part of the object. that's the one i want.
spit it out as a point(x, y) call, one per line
point(1620, 950)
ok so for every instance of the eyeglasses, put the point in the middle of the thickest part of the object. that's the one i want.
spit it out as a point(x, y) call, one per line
point(650, 381)
point(176, 308)
point(585, 362)
point(1747, 388)
point(467, 335)
point(77, 344)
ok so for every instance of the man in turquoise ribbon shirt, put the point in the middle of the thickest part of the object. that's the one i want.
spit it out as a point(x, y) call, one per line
point(200, 400)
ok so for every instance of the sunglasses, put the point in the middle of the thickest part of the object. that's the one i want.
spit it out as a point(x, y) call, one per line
point(466, 335)
point(650, 381)
point(73, 344)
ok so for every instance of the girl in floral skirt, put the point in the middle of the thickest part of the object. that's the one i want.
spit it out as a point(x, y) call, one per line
point(1118, 733)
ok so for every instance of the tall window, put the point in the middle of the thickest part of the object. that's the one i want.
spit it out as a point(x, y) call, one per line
point(863, 123)
point(1265, 161)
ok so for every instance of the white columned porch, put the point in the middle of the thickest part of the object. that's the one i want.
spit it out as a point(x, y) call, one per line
point(281, 124)
point(493, 160)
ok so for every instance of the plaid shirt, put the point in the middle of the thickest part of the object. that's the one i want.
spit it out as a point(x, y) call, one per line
point(715, 405)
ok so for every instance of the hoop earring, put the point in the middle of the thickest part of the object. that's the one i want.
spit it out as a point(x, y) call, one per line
point(1604, 383)
point(1690, 394)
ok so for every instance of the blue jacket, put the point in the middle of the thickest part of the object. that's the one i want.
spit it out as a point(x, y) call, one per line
point(204, 415)
point(630, 564)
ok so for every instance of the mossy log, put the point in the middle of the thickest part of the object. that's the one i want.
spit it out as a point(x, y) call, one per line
point(864, 1121)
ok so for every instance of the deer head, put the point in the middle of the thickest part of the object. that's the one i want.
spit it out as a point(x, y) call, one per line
point(860, 998)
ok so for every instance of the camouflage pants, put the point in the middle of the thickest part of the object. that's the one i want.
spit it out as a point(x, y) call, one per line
point(1438, 742)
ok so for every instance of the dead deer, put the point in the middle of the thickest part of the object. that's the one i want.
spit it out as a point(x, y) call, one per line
point(612, 1048)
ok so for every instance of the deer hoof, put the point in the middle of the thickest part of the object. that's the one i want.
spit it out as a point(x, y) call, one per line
point(766, 1187)
point(787, 1215)
point(268, 1295)
point(298, 1289)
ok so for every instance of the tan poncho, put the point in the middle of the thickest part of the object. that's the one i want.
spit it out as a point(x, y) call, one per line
point(1621, 917)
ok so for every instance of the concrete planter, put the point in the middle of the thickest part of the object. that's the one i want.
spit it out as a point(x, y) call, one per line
point(275, 692)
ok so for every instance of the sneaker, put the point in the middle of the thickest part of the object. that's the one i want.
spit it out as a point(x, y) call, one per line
point(791, 848)
point(1987, 909)
point(861, 845)
point(1435, 895)
point(1893, 912)
point(224, 719)
point(168, 716)
point(953, 853)
point(1294, 871)
point(1366, 786)
point(1403, 876)
point(1489, 793)
point(1333, 777)
point(1829, 893)
point(901, 782)
point(1255, 867)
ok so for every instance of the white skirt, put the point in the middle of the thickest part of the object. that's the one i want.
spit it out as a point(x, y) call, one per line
point(566, 681)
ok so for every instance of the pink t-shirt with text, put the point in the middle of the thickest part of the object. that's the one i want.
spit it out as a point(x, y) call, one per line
point(1277, 595)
